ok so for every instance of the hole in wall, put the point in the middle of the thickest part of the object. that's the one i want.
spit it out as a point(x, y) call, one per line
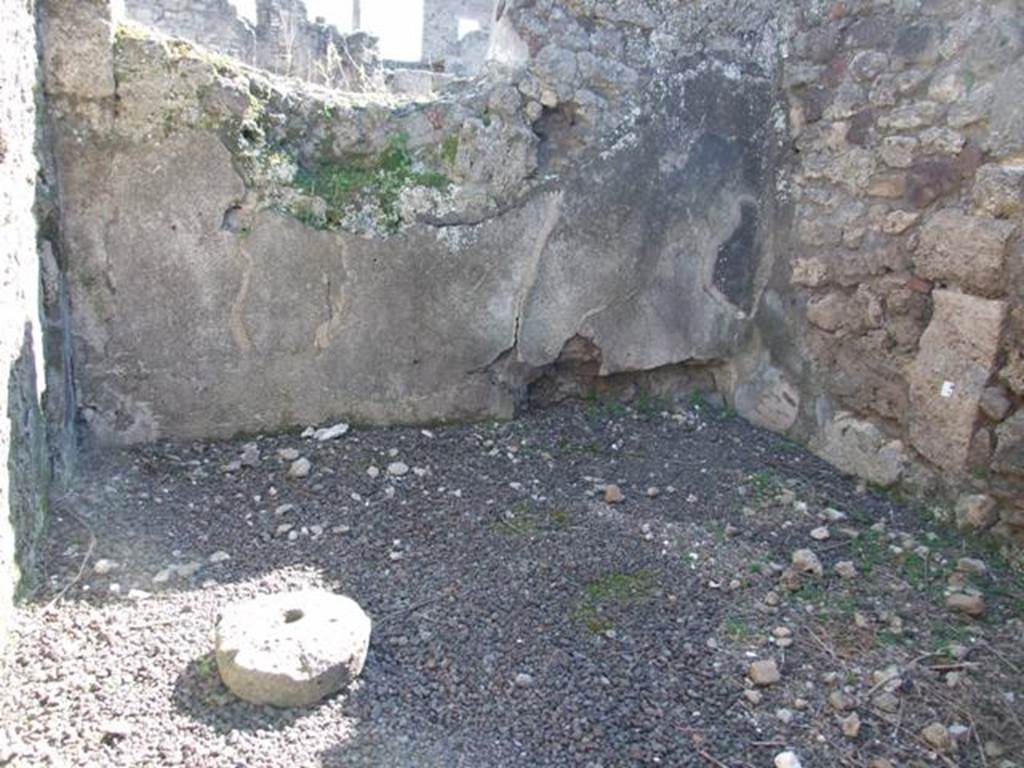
point(466, 26)
point(558, 139)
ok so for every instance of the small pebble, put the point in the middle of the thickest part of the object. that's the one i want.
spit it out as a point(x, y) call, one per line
point(103, 566)
point(972, 605)
point(764, 672)
point(850, 725)
point(937, 737)
point(300, 468)
point(805, 561)
point(845, 569)
point(524, 680)
point(613, 494)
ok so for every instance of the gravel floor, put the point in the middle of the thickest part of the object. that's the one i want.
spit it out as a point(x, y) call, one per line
point(519, 618)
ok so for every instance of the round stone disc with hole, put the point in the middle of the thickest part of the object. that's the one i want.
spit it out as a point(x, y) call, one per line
point(292, 649)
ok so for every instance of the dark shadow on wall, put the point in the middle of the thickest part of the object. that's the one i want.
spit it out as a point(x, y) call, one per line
point(27, 462)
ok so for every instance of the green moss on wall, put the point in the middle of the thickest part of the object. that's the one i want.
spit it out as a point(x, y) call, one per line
point(379, 179)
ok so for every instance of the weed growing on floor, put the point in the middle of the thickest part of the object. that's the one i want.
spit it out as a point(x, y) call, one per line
point(737, 629)
point(649, 406)
point(609, 594)
point(604, 407)
point(524, 519)
point(870, 550)
point(764, 483)
point(206, 668)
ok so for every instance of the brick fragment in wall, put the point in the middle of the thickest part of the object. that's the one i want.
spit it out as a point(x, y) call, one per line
point(955, 361)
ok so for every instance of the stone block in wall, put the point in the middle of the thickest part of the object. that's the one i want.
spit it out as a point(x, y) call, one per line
point(955, 360)
point(860, 448)
point(968, 251)
point(77, 48)
point(975, 512)
point(1013, 371)
point(999, 190)
point(918, 43)
point(972, 109)
point(768, 399)
point(1009, 455)
point(911, 116)
point(899, 151)
point(1007, 113)
point(995, 403)
point(930, 179)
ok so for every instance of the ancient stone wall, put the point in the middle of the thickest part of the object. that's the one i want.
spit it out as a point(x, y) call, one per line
point(23, 460)
point(814, 207)
point(301, 255)
point(443, 48)
point(908, 131)
point(284, 39)
point(211, 23)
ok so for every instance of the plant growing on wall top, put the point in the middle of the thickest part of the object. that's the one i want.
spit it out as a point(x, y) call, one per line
point(378, 180)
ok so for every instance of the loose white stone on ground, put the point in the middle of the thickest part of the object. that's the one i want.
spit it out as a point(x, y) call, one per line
point(300, 468)
point(787, 760)
point(292, 649)
point(821, 533)
point(330, 433)
point(103, 566)
point(398, 469)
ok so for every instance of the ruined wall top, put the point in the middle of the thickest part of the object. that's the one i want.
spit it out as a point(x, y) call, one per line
point(283, 39)
point(448, 41)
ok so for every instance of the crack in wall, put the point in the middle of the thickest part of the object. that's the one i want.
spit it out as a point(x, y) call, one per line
point(237, 322)
point(335, 305)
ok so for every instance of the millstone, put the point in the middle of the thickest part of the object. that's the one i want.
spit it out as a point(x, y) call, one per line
point(292, 649)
